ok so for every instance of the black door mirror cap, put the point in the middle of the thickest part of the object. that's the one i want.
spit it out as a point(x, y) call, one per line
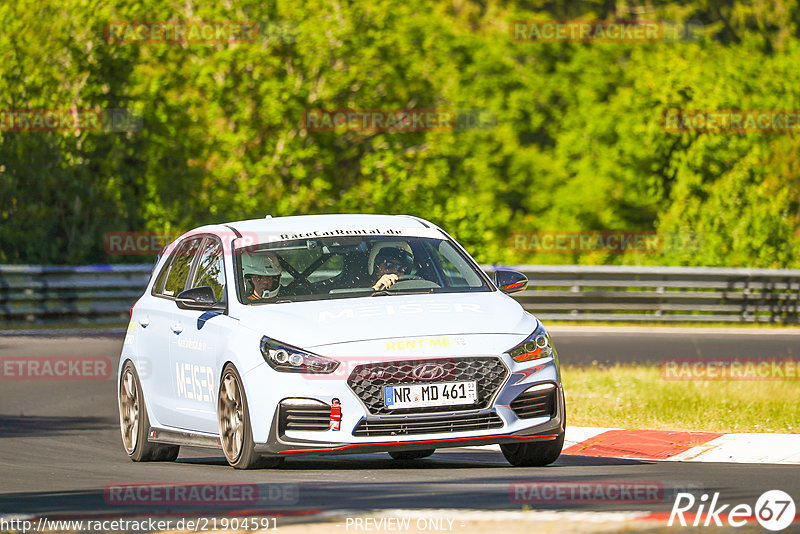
point(510, 281)
point(198, 298)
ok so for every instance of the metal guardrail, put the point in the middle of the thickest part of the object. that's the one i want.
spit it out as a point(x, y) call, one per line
point(669, 294)
point(91, 294)
point(99, 294)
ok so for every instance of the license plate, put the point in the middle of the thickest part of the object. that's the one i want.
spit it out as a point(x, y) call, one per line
point(438, 394)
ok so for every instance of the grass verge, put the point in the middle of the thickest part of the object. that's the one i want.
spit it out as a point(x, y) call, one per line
point(636, 397)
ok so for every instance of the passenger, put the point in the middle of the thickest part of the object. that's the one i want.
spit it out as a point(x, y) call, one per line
point(262, 273)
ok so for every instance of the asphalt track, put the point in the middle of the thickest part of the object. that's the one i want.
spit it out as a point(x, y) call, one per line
point(60, 446)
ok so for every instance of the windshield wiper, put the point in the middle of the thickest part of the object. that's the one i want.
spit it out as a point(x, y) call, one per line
point(385, 292)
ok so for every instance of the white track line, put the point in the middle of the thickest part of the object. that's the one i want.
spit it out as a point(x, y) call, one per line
point(746, 448)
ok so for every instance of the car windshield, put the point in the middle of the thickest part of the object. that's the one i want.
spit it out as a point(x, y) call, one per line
point(341, 267)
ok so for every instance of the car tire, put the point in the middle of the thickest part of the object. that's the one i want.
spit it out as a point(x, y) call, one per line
point(411, 455)
point(134, 423)
point(235, 431)
point(533, 454)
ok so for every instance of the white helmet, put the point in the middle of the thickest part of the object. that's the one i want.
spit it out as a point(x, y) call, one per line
point(264, 264)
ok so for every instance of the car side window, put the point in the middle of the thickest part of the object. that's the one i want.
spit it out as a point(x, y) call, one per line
point(161, 275)
point(210, 269)
point(175, 273)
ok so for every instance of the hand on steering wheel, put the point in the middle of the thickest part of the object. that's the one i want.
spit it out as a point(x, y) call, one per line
point(388, 280)
point(385, 282)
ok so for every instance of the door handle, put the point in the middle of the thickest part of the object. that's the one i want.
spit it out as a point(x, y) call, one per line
point(177, 328)
point(144, 321)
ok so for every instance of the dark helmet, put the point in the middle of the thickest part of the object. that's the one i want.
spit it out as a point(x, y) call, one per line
point(402, 258)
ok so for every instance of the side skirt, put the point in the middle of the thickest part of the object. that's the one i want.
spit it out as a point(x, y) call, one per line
point(177, 437)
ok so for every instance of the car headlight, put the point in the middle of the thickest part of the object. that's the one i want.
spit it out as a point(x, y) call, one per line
point(535, 346)
point(289, 359)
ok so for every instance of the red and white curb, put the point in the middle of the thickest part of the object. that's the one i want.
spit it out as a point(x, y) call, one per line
point(680, 446)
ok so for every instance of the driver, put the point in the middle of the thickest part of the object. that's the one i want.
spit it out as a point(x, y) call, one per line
point(262, 272)
point(390, 264)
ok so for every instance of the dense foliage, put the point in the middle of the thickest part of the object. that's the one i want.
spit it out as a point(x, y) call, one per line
point(578, 142)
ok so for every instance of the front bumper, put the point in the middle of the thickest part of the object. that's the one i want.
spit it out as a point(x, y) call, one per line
point(272, 438)
point(282, 445)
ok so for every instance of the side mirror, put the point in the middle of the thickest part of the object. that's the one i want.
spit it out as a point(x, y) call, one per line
point(510, 281)
point(198, 298)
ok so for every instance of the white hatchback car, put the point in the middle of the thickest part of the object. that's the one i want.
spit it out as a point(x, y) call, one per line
point(334, 334)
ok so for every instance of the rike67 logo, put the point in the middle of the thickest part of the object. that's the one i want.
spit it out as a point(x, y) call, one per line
point(774, 510)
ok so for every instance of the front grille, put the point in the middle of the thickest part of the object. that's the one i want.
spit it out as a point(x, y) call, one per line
point(537, 403)
point(428, 425)
point(304, 414)
point(367, 381)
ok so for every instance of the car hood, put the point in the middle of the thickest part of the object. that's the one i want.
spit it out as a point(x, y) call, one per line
point(320, 323)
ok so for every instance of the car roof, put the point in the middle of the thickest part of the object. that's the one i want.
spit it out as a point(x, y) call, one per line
point(306, 223)
point(271, 229)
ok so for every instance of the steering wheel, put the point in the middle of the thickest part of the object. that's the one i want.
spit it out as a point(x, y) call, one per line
point(300, 281)
point(408, 277)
